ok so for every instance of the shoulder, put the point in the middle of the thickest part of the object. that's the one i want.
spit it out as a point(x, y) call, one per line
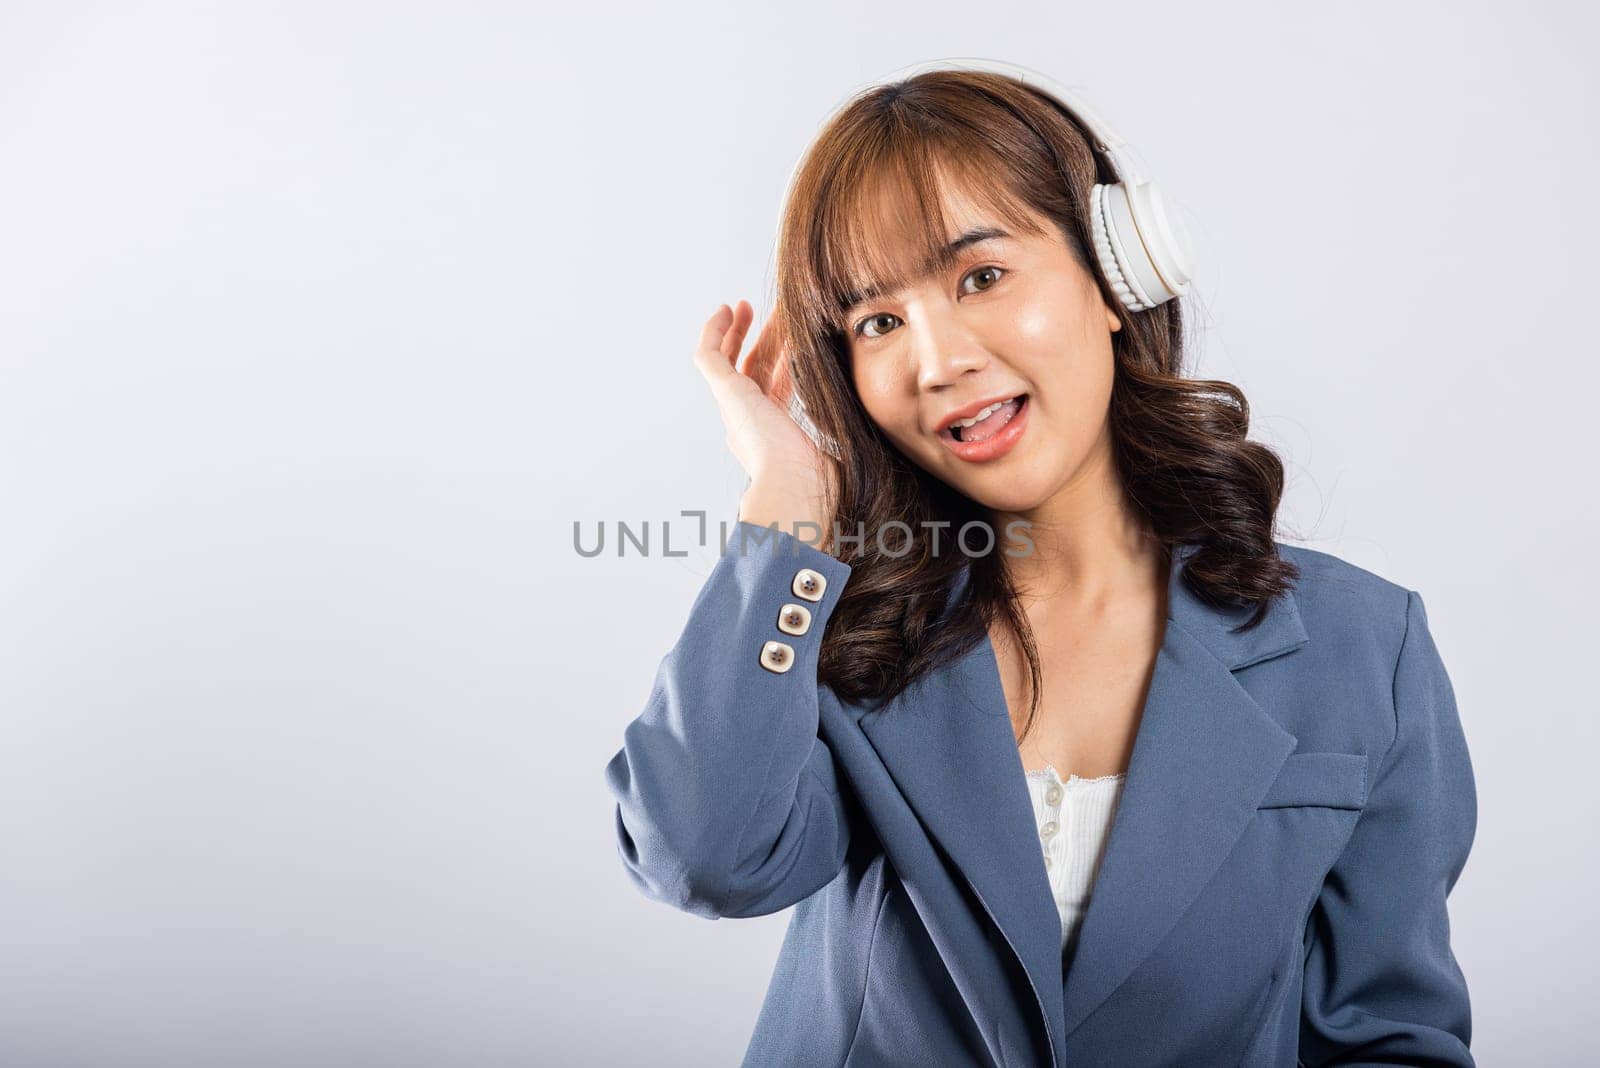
point(1326, 570)
point(1353, 614)
point(1338, 691)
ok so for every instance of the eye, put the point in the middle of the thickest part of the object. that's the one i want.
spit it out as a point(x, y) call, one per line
point(861, 327)
point(988, 270)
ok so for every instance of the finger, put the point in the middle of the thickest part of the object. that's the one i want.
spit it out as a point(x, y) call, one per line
point(782, 382)
point(712, 332)
point(733, 340)
point(708, 353)
point(770, 363)
point(765, 356)
point(709, 358)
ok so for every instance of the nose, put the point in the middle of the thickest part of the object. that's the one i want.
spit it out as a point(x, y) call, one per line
point(941, 351)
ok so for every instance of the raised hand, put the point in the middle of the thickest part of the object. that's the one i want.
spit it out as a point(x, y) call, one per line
point(790, 480)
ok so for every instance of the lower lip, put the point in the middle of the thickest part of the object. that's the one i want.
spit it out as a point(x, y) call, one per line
point(994, 447)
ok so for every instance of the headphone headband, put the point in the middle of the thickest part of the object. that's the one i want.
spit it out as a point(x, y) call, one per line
point(1110, 144)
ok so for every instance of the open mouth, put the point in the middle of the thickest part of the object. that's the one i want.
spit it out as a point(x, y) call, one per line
point(988, 422)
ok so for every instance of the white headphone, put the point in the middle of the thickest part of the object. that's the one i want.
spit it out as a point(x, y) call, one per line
point(1144, 252)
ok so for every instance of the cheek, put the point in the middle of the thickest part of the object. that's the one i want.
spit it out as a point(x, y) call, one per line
point(883, 397)
point(1053, 321)
point(1071, 363)
point(1072, 369)
point(1040, 322)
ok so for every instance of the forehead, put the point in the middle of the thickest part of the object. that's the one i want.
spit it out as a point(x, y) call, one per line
point(903, 232)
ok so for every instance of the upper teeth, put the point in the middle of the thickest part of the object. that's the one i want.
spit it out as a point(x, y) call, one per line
point(981, 416)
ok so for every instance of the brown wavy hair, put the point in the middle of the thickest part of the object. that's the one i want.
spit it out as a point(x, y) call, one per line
point(1179, 443)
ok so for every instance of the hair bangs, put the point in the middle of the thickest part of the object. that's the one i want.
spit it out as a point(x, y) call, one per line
point(883, 225)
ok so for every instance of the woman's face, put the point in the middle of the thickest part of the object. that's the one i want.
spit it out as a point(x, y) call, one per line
point(1014, 319)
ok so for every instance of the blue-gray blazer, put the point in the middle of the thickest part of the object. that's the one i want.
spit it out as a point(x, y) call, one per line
point(1298, 805)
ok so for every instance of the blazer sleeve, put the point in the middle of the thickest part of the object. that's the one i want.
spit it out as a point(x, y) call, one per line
point(727, 803)
point(1381, 983)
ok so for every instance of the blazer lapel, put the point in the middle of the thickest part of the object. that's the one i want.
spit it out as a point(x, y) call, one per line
point(1204, 755)
point(948, 744)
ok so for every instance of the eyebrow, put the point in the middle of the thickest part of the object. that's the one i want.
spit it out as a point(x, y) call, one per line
point(944, 257)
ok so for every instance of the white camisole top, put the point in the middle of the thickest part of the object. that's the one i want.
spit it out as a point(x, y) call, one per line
point(1073, 817)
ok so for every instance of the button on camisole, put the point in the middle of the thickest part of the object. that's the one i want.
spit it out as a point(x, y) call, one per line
point(1073, 818)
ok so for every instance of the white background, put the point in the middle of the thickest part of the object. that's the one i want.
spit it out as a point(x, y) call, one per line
point(321, 324)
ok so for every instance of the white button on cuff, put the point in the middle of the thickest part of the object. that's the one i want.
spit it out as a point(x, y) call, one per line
point(794, 619)
point(778, 657)
point(809, 584)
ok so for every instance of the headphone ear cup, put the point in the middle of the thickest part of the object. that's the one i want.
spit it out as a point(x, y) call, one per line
point(1171, 252)
point(1144, 252)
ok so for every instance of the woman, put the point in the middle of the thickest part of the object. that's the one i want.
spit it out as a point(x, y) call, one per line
point(1139, 784)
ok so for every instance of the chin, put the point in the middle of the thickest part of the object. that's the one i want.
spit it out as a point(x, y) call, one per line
point(1009, 500)
point(1016, 483)
point(1007, 492)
